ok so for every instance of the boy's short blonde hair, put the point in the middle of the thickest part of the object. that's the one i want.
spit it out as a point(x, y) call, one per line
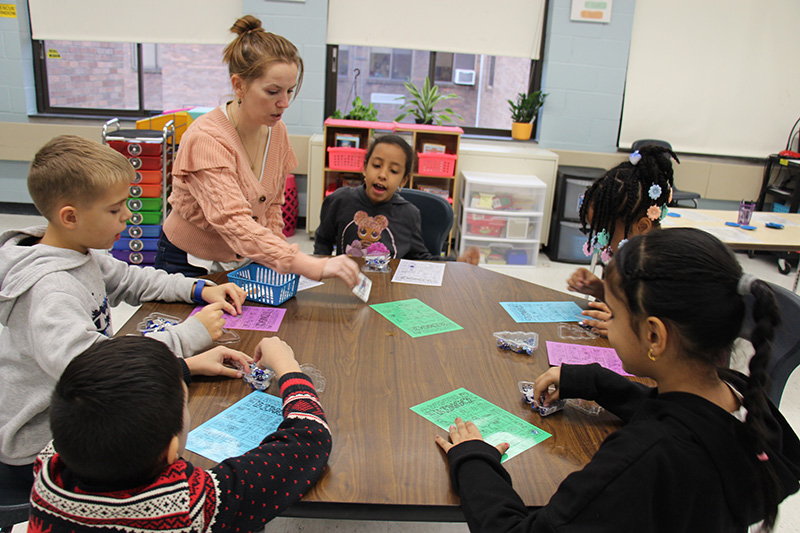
point(73, 170)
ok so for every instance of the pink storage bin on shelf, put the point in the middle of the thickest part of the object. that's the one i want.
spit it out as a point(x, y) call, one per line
point(345, 158)
point(435, 164)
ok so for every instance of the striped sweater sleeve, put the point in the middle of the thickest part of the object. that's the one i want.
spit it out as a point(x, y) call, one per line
point(259, 485)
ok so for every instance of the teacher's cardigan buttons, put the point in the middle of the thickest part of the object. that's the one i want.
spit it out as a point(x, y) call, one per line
point(255, 217)
point(262, 199)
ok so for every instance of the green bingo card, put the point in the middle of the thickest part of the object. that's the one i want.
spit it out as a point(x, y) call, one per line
point(495, 424)
point(415, 318)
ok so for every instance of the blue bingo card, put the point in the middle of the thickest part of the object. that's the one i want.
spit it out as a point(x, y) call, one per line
point(542, 311)
point(238, 429)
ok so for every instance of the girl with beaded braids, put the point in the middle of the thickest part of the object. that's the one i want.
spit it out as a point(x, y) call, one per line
point(704, 450)
point(630, 199)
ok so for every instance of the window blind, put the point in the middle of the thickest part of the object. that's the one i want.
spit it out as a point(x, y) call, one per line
point(143, 21)
point(713, 78)
point(510, 28)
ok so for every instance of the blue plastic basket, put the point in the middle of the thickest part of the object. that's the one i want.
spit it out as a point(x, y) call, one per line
point(264, 285)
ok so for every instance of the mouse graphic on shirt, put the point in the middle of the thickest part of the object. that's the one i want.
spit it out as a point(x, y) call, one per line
point(370, 230)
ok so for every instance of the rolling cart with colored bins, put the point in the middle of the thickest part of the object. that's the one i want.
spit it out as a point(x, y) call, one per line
point(150, 153)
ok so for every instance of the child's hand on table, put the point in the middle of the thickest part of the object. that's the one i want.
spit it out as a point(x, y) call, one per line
point(601, 315)
point(463, 431)
point(471, 255)
point(342, 267)
point(276, 355)
point(547, 386)
point(214, 361)
point(231, 295)
point(585, 282)
point(212, 318)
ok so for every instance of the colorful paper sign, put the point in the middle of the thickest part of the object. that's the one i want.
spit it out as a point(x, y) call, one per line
point(415, 318)
point(559, 353)
point(253, 318)
point(495, 424)
point(542, 311)
point(238, 429)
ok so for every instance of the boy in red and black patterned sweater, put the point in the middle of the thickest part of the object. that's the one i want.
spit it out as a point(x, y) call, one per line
point(119, 422)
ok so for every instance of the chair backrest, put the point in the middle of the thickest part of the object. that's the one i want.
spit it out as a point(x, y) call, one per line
point(641, 142)
point(437, 217)
point(786, 345)
point(14, 499)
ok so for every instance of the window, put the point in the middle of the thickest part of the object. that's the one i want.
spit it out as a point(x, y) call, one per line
point(483, 84)
point(447, 64)
point(390, 63)
point(128, 79)
point(344, 61)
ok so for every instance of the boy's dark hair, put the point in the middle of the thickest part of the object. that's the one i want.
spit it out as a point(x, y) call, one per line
point(115, 410)
point(690, 280)
point(398, 141)
point(623, 192)
point(76, 170)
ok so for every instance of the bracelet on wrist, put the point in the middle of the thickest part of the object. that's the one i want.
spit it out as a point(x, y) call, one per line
point(197, 294)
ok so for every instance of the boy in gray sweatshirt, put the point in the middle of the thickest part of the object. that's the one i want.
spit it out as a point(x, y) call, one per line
point(56, 288)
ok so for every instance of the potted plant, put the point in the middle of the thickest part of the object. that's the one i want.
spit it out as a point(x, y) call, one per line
point(359, 111)
point(422, 105)
point(523, 113)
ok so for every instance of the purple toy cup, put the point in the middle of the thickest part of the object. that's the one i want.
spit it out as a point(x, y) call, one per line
point(745, 212)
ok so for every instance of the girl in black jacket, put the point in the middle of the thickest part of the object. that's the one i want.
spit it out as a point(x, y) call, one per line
point(703, 451)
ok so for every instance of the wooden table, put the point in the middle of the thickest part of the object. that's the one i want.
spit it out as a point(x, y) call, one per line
point(762, 238)
point(385, 463)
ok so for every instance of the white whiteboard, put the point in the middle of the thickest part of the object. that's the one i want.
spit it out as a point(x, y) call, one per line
point(718, 77)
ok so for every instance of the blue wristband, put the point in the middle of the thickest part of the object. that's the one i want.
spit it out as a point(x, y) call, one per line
point(197, 295)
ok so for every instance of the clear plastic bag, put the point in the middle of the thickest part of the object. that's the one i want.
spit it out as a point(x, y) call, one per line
point(518, 341)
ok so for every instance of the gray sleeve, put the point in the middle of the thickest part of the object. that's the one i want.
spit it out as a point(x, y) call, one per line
point(135, 285)
point(184, 339)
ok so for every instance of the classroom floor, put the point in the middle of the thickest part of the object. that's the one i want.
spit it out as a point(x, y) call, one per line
point(547, 273)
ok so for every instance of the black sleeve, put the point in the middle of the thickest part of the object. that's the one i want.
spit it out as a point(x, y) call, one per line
point(628, 485)
point(185, 372)
point(488, 500)
point(616, 393)
point(325, 234)
point(282, 468)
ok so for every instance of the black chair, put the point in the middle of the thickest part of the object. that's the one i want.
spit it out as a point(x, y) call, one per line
point(677, 196)
point(437, 217)
point(786, 345)
point(14, 500)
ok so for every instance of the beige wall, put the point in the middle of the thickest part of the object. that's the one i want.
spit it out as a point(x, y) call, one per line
point(713, 178)
point(21, 141)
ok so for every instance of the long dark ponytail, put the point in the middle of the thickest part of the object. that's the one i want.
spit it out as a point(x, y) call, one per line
point(692, 282)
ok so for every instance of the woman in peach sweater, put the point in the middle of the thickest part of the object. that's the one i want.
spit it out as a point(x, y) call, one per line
point(230, 171)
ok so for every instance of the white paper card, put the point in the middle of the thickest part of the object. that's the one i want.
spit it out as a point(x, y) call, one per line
point(304, 283)
point(363, 287)
point(419, 273)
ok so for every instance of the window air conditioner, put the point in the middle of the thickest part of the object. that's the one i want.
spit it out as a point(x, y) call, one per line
point(464, 77)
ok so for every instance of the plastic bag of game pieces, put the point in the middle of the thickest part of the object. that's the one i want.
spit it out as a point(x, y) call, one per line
point(517, 341)
point(586, 407)
point(156, 322)
point(575, 332)
point(228, 337)
point(159, 322)
point(258, 378)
